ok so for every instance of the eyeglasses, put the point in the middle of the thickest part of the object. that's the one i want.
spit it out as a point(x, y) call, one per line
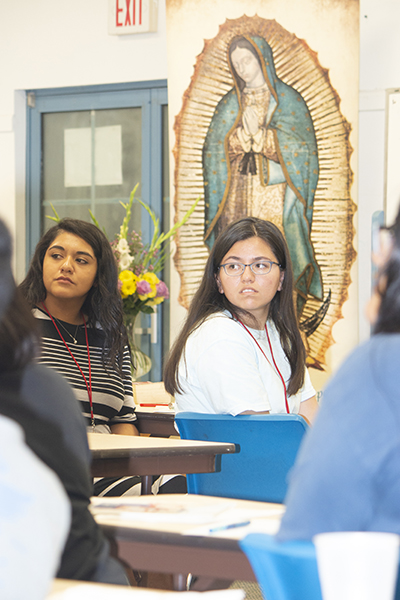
point(258, 268)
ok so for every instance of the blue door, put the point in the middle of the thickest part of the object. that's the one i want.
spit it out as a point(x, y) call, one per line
point(67, 169)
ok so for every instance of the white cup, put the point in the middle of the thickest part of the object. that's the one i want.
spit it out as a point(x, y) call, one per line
point(357, 565)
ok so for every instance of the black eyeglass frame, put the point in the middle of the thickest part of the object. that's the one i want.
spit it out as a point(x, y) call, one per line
point(270, 262)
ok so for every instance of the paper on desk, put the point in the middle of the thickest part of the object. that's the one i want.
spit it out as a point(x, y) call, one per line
point(146, 510)
point(98, 592)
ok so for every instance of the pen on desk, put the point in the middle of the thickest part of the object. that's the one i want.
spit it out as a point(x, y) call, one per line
point(230, 526)
point(152, 404)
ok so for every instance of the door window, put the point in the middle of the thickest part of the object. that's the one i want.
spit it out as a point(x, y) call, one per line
point(87, 149)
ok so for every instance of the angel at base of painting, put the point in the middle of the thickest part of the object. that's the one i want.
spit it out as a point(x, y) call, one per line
point(260, 159)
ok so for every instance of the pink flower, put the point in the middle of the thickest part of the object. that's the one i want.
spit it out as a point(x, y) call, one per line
point(143, 288)
point(162, 290)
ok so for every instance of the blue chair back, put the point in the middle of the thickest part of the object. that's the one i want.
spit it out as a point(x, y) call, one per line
point(266, 448)
point(285, 571)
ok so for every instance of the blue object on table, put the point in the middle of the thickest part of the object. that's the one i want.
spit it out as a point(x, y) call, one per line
point(267, 446)
point(284, 570)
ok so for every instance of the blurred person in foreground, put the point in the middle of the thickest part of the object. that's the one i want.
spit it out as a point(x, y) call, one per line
point(34, 518)
point(34, 508)
point(44, 405)
point(347, 474)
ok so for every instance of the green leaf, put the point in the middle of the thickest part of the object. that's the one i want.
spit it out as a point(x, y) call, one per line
point(128, 207)
point(95, 221)
point(56, 217)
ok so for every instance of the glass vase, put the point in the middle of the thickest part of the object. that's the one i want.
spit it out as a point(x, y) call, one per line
point(141, 362)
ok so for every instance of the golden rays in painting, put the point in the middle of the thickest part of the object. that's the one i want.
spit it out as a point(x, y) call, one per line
point(298, 176)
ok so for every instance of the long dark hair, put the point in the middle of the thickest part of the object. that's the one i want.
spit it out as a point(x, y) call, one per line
point(18, 331)
point(388, 320)
point(6, 278)
point(103, 303)
point(208, 301)
point(19, 335)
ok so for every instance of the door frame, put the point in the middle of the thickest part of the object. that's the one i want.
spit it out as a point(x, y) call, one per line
point(150, 96)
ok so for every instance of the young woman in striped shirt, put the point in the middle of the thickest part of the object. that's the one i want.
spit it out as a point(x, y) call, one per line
point(72, 288)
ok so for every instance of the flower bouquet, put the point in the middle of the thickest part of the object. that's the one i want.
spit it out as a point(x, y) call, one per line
point(141, 289)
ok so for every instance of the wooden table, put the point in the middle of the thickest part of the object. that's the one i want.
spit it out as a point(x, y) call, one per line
point(156, 421)
point(163, 545)
point(60, 587)
point(88, 589)
point(124, 455)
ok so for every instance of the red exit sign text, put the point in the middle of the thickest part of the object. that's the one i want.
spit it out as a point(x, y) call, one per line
point(132, 16)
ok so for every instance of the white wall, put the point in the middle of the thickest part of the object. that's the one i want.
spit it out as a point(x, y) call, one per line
point(379, 70)
point(52, 43)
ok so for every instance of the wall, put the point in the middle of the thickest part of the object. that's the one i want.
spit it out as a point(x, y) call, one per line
point(379, 60)
point(50, 43)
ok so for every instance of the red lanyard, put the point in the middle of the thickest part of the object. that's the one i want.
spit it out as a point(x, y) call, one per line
point(88, 386)
point(273, 359)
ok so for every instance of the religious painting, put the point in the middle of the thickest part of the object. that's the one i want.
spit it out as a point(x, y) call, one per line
point(260, 133)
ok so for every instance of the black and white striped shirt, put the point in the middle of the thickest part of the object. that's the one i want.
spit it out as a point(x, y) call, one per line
point(112, 394)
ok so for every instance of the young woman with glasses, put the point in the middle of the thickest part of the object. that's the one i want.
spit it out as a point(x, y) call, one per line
point(240, 350)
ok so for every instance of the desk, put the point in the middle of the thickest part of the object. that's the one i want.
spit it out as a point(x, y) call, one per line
point(124, 455)
point(87, 590)
point(156, 421)
point(168, 546)
point(83, 590)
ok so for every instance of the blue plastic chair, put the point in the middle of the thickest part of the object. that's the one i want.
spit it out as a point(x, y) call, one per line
point(267, 446)
point(285, 571)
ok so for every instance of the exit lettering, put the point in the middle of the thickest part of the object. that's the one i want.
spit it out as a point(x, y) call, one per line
point(126, 17)
point(128, 13)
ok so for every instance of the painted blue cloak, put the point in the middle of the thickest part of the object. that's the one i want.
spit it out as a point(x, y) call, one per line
point(296, 146)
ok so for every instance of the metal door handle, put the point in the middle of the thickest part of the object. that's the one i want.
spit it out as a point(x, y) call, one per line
point(152, 330)
point(153, 326)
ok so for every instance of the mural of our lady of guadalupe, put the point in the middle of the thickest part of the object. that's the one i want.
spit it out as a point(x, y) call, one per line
point(261, 133)
point(260, 159)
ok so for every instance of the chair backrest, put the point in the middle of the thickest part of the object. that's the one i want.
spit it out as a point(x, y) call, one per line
point(285, 571)
point(267, 446)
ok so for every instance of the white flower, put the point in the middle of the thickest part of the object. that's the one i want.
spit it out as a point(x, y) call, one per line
point(123, 246)
point(125, 260)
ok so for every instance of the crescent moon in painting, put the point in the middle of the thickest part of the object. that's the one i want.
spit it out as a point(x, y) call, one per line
point(320, 237)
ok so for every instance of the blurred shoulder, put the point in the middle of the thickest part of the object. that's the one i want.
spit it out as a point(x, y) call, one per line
point(50, 394)
point(370, 372)
point(380, 352)
point(44, 378)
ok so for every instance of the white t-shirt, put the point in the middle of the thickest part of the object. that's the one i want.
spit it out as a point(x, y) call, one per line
point(222, 371)
point(35, 516)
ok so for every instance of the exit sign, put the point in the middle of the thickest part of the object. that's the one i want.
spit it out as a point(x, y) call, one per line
point(132, 16)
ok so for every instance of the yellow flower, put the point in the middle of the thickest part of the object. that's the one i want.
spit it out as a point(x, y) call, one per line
point(126, 276)
point(156, 301)
point(151, 278)
point(129, 283)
